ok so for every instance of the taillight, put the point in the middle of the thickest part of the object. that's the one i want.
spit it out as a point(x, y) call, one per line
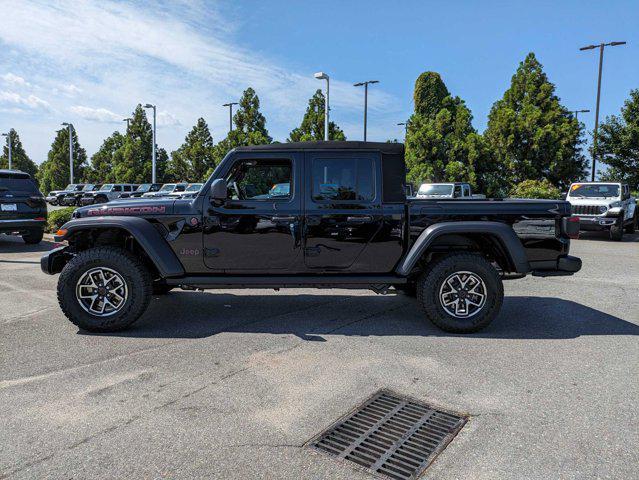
point(36, 201)
point(571, 227)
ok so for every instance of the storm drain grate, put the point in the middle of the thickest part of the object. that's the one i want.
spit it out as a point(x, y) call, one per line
point(390, 435)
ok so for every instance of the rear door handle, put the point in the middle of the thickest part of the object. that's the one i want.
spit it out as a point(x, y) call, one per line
point(284, 218)
point(360, 219)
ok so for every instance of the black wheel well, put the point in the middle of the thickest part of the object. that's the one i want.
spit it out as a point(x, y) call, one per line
point(111, 237)
point(486, 244)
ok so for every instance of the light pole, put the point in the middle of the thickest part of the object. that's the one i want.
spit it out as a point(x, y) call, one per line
point(324, 76)
point(577, 112)
point(148, 105)
point(365, 84)
point(127, 120)
point(70, 127)
point(230, 105)
point(405, 124)
point(601, 47)
point(8, 135)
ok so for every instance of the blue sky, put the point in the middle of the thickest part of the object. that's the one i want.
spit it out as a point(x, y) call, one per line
point(90, 62)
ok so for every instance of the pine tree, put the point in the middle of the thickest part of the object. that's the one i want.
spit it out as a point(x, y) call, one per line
point(101, 170)
point(195, 157)
point(312, 126)
point(618, 144)
point(531, 135)
point(54, 173)
point(19, 158)
point(441, 143)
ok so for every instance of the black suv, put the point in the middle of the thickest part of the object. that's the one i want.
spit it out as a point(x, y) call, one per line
point(23, 210)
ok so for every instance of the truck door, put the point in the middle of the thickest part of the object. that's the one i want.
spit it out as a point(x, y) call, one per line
point(343, 209)
point(257, 229)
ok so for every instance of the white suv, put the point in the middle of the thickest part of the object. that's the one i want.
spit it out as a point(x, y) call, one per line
point(604, 206)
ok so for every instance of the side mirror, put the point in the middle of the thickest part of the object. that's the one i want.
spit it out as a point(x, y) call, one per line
point(219, 190)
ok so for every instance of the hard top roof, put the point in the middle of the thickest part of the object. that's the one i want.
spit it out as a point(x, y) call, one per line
point(391, 148)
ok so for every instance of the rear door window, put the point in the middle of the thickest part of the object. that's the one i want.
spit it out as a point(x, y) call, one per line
point(343, 179)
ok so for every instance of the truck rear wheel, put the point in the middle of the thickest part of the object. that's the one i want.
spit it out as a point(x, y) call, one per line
point(460, 293)
point(104, 289)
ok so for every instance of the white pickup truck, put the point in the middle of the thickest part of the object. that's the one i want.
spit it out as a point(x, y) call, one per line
point(446, 190)
point(604, 206)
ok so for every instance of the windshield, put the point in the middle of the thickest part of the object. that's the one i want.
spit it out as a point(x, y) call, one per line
point(88, 187)
point(431, 189)
point(144, 187)
point(168, 187)
point(194, 187)
point(69, 187)
point(106, 187)
point(17, 183)
point(591, 190)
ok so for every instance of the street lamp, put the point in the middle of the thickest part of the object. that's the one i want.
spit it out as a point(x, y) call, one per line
point(405, 125)
point(577, 112)
point(365, 84)
point(70, 127)
point(148, 105)
point(127, 120)
point(230, 105)
point(601, 47)
point(8, 135)
point(324, 76)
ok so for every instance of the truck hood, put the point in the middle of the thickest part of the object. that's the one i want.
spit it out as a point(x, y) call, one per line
point(592, 201)
point(128, 208)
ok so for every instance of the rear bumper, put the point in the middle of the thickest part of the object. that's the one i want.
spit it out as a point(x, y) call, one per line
point(20, 225)
point(566, 265)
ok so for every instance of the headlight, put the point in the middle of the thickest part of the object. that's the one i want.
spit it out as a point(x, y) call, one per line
point(603, 209)
point(615, 204)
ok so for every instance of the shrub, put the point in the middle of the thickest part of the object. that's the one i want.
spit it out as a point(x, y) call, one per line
point(59, 217)
point(536, 189)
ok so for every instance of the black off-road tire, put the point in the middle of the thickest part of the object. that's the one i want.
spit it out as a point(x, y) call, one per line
point(430, 282)
point(616, 230)
point(33, 237)
point(632, 226)
point(132, 270)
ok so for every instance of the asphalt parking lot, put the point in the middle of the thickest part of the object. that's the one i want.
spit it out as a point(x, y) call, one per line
point(233, 384)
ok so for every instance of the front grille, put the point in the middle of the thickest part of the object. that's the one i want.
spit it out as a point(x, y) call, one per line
point(392, 436)
point(586, 210)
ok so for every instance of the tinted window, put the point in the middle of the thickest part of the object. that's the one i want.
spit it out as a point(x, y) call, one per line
point(260, 180)
point(17, 183)
point(117, 188)
point(343, 179)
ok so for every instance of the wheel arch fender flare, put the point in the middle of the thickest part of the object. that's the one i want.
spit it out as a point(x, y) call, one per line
point(151, 241)
point(502, 232)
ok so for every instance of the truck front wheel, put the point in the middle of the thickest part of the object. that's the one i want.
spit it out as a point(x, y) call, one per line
point(460, 293)
point(104, 289)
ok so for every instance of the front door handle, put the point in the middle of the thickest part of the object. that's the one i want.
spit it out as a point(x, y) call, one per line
point(360, 219)
point(284, 218)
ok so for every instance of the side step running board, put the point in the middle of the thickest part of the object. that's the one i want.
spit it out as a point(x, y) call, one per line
point(325, 281)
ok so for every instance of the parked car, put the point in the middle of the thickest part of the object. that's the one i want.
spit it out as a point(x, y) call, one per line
point(55, 196)
point(346, 223)
point(190, 191)
point(604, 206)
point(146, 188)
point(166, 189)
point(73, 198)
point(23, 210)
point(446, 190)
point(108, 192)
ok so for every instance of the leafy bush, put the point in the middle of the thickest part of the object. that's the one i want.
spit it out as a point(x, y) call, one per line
point(536, 189)
point(59, 217)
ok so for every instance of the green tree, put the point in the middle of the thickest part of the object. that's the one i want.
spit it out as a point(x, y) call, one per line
point(54, 173)
point(531, 135)
point(535, 189)
point(101, 169)
point(312, 126)
point(441, 143)
point(19, 158)
point(618, 143)
point(195, 157)
point(250, 127)
point(132, 162)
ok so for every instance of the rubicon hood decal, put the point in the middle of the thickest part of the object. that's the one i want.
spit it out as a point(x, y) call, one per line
point(127, 211)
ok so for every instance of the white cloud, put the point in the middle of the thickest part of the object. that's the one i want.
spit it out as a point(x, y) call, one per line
point(14, 80)
point(166, 119)
point(69, 90)
point(30, 102)
point(96, 114)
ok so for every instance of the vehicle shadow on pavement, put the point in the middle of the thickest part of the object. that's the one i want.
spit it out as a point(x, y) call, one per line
point(197, 315)
point(13, 244)
point(605, 237)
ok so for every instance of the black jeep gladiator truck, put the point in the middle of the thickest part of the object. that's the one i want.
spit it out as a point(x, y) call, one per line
point(309, 214)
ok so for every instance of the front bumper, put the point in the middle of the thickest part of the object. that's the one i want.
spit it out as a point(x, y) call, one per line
point(21, 225)
point(87, 201)
point(566, 265)
point(596, 223)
